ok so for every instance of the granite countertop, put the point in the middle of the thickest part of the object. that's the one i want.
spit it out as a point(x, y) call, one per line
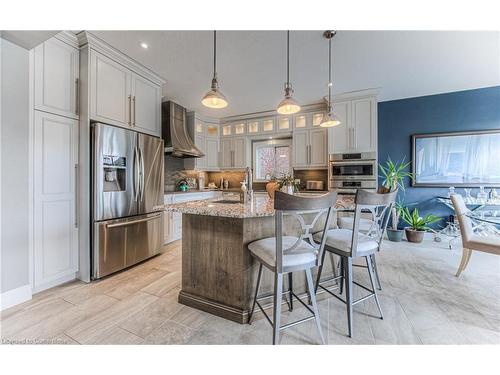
point(261, 206)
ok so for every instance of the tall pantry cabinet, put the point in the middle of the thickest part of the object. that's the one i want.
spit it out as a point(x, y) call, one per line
point(54, 77)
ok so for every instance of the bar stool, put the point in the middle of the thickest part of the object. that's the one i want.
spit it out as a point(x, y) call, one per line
point(287, 254)
point(350, 244)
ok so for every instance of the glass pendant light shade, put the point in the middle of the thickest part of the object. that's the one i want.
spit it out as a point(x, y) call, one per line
point(329, 120)
point(214, 98)
point(288, 105)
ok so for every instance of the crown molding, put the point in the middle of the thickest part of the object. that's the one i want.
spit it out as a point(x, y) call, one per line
point(86, 39)
point(68, 37)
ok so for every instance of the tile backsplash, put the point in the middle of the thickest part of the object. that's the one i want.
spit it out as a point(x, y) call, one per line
point(311, 175)
point(174, 172)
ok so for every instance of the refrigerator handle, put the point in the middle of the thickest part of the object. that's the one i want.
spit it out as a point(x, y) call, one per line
point(141, 181)
point(136, 171)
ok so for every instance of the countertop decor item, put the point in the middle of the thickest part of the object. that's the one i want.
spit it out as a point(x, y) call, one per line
point(288, 105)
point(271, 187)
point(329, 118)
point(417, 224)
point(182, 185)
point(214, 98)
point(287, 184)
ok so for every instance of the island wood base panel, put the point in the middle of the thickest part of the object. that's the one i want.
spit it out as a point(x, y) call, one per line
point(218, 272)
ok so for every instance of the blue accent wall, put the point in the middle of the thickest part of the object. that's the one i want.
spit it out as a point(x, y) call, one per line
point(451, 112)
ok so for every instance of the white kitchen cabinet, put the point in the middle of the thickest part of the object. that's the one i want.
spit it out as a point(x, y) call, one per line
point(318, 147)
point(56, 74)
point(119, 96)
point(110, 91)
point(310, 148)
point(173, 220)
point(55, 226)
point(211, 153)
point(364, 136)
point(301, 148)
point(358, 130)
point(226, 152)
point(146, 105)
point(199, 141)
point(339, 135)
point(233, 152)
point(239, 152)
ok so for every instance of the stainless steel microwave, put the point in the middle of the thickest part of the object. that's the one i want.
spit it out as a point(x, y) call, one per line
point(353, 166)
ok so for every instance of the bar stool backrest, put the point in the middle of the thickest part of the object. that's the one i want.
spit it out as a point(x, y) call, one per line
point(297, 206)
point(379, 205)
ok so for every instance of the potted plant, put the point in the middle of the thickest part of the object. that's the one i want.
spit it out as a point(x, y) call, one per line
point(287, 184)
point(394, 175)
point(417, 224)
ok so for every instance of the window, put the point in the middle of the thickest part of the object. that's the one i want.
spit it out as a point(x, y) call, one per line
point(271, 158)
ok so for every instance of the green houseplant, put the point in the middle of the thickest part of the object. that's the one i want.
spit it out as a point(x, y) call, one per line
point(417, 224)
point(287, 184)
point(394, 174)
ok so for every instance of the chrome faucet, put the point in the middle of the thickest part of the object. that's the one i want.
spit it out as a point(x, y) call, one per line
point(249, 178)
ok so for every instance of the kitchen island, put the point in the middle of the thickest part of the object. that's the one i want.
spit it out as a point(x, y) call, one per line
point(218, 272)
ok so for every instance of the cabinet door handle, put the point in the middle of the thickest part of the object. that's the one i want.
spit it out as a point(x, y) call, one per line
point(76, 195)
point(77, 96)
point(134, 109)
point(130, 110)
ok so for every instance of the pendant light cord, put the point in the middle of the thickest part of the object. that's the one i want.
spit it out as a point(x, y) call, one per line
point(288, 57)
point(215, 53)
point(329, 73)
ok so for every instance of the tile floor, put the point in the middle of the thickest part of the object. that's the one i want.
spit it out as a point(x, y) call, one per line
point(423, 303)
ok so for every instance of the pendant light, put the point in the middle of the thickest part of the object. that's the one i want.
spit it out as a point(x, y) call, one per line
point(214, 98)
point(288, 105)
point(329, 118)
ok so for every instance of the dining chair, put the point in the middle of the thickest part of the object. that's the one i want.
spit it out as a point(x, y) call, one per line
point(287, 254)
point(470, 240)
point(350, 244)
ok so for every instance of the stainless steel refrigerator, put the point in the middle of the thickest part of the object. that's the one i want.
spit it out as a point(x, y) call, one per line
point(127, 193)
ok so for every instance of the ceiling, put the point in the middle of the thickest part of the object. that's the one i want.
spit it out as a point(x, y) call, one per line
point(27, 38)
point(251, 64)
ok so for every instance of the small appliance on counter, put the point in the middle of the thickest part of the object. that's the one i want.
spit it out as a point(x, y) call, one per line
point(315, 185)
point(182, 185)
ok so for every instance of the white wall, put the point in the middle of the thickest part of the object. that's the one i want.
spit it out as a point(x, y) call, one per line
point(14, 138)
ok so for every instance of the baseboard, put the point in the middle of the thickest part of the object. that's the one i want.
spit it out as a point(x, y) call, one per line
point(15, 297)
point(55, 282)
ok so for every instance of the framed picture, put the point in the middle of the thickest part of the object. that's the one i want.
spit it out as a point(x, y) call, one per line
point(465, 159)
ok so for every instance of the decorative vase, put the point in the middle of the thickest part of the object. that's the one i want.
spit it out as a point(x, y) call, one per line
point(287, 189)
point(271, 187)
point(395, 235)
point(416, 236)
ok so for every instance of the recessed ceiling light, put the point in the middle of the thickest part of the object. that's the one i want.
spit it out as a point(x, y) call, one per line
point(144, 45)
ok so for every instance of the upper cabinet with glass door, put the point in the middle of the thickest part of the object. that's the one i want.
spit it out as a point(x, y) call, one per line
point(253, 127)
point(285, 124)
point(268, 125)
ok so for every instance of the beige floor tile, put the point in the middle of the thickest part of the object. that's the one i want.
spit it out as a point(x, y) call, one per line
point(57, 324)
point(139, 281)
point(32, 315)
point(169, 333)
point(164, 284)
point(151, 317)
point(115, 336)
point(88, 329)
